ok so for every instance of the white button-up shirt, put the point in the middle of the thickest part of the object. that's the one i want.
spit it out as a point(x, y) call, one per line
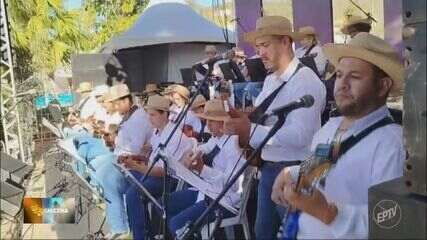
point(175, 149)
point(88, 108)
point(377, 158)
point(133, 133)
point(223, 165)
point(292, 141)
point(319, 58)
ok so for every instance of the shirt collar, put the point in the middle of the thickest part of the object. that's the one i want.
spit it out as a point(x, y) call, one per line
point(284, 77)
point(221, 141)
point(373, 117)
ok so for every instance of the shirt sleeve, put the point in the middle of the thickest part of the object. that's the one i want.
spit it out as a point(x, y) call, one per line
point(352, 220)
point(300, 124)
point(136, 133)
point(231, 154)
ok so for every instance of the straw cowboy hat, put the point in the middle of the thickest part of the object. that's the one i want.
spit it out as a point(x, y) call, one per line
point(118, 91)
point(181, 90)
point(157, 102)
point(214, 110)
point(307, 31)
point(168, 90)
point(353, 20)
point(272, 25)
point(151, 88)
point(372, 49)
point(198, 102)
point(84, 87)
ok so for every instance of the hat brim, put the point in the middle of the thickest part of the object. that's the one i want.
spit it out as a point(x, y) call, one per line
point(251, 37)
point(214, 118)
point(197, 105)
point(393, 68)
point(345, 28)
point(151, 91)
point(117, 97)
point(148, 107)
point(83, 90)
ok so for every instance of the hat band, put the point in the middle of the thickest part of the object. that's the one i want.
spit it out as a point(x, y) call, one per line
point(216, 114)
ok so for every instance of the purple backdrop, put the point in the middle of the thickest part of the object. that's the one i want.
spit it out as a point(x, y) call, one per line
point(247, 12)
point(316, 13)
point(393, 24)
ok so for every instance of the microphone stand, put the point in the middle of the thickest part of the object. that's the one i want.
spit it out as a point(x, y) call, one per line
point(191, 229)
point(161, 156)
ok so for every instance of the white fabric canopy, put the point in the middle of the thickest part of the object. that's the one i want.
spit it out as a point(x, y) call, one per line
point(166, 21)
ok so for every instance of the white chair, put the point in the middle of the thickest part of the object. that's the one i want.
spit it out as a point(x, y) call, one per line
point(241, 218)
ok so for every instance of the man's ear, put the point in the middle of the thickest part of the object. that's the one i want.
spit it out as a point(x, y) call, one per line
point(386, 83)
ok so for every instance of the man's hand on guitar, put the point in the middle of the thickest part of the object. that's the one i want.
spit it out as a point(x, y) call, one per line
point(314, 204)
point(238, 124)
point(283, 179)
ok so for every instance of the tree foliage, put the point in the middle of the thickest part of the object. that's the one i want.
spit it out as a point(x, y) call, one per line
point(45, 34)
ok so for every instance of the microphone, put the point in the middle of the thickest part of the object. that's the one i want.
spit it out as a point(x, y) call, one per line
point(304, 102)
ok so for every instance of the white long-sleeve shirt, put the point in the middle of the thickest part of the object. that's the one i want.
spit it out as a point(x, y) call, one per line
point(292, 141)
point(88, 107)
point(133, 133)
point(222, 167)
point(377, 158)
point(319, 58)
point(176, 148)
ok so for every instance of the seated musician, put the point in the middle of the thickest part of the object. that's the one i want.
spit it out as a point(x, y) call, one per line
point(85, 107)
point(214, 161)
point(151, 89)
point(158, 111)
point(198, 124)
point(368, 70)
point(133, 132)
point(311, 48)
point(179, 96)
point(224, 93)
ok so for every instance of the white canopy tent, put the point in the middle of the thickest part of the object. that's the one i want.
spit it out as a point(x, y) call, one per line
point(168, 36)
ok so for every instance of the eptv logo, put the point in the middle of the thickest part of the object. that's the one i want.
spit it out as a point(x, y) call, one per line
point(387, 214)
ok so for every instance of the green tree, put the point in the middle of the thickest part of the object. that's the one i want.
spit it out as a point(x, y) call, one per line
point(44, 34)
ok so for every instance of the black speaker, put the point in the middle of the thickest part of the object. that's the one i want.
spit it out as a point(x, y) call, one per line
point(13, 169)
point(11, 198)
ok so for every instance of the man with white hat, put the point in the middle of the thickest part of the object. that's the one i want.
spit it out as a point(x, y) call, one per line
point(289, 82)
point(365, 145)
point(214, 161)
point(85, 107)
point(134, 131)
point(312, 48)
point(356, 24)
point(157, 109)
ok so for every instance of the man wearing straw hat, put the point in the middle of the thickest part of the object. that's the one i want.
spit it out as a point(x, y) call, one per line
point(151, 89)
point(193, 123)
point(84, 108)
point(356, 24)
point(290, 81)
point(134, 131)
point(214, 161)
point(179, 96)
point(368, 70)
point(158, 110)
point(311, 48)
